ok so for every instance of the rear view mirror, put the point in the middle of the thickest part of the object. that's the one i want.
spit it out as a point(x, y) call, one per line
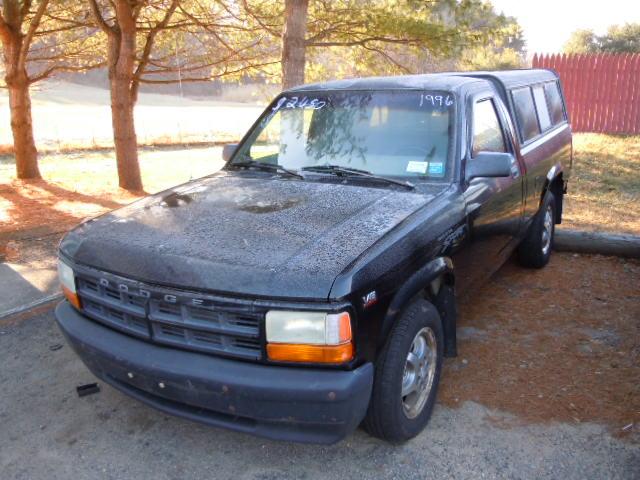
point(228, 150)
point(490, 164)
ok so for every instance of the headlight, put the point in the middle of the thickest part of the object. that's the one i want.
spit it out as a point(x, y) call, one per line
point(310, 337)
point(68, 283)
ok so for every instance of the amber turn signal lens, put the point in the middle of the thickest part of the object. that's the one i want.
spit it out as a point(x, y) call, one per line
point(72, 297)
point(285, 352)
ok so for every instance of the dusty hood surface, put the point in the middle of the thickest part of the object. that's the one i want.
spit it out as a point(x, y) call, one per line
point(243, 234)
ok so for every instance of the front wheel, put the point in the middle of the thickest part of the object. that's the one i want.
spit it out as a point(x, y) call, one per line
point(407, 375)
point(535, 249)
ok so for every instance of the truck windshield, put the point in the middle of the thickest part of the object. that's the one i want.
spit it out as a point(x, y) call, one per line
point(391, 133)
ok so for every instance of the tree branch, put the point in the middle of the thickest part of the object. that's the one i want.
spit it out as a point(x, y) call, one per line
point(160, 69)
point(362, 42)
point(71, 23)
point(208, 77)
point(33, 27)
point(26, 7)
point(388, 57)
point(63, 68)
point(97, 15)
point(256, 17)
point(148, 47)
point(5, 32)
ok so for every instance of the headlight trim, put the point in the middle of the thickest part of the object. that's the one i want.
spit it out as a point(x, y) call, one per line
point(309, 336)
point(67, 279)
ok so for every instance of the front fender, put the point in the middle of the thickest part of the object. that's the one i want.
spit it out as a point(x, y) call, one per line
point(440, 266)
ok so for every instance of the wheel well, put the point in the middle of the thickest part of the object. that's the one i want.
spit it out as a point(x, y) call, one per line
point(441, 294)
point(435, 283)
point(556, 186)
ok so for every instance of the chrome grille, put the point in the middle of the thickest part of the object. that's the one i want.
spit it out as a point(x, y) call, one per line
point(181, 319)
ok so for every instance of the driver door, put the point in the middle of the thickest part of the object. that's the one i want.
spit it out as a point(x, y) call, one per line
point(493, 205)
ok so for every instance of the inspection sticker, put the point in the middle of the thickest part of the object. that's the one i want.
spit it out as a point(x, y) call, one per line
point(436, 168)
point(417, 167)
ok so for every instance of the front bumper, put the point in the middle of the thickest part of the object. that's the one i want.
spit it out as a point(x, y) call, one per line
point(283, 403)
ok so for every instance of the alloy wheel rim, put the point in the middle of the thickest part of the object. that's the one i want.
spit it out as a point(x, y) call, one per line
point(547, 230)
point(419, 372)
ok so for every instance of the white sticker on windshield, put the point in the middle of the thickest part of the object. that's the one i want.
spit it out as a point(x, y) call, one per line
point(417, 167)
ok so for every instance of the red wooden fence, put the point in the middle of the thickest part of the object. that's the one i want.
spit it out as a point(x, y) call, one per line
point(602, 90)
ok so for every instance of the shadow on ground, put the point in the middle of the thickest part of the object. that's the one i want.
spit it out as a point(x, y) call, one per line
point(35, 204)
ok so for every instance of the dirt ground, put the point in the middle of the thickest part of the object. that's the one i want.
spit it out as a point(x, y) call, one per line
point(560, 344)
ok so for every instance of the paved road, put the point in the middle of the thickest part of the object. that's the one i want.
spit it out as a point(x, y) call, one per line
point(23, 286)
point(47, 432)
point(31, 277)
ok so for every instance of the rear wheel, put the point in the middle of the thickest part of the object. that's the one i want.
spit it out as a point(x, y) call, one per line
point(535, 249)
point(407, 375)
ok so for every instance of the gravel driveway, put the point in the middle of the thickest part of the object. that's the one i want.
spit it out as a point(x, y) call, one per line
point(48, 432)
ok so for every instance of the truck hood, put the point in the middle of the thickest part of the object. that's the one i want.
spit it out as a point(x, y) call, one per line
point(243, 234)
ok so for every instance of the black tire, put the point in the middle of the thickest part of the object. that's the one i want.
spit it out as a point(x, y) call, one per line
point(534, 251)
point(386, 416)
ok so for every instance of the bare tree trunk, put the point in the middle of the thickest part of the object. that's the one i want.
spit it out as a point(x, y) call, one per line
point(17, 82)
point(22, 128)
point(122, 50)
point(124, 136)
point(293, 42)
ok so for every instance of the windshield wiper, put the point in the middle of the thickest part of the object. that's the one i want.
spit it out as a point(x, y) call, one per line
point(340, 170)
point(266, 166)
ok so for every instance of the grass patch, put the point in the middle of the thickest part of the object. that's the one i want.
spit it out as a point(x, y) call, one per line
point(604, 191)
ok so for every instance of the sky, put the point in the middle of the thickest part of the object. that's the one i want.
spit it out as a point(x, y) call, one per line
point(547, 24)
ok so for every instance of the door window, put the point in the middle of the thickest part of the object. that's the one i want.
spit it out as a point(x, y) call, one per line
point(487, 132)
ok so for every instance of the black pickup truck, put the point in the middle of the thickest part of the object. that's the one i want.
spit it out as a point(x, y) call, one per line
point(310, 285)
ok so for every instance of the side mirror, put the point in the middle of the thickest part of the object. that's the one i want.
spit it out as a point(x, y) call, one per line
point(490, 164)
point(228, 150)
